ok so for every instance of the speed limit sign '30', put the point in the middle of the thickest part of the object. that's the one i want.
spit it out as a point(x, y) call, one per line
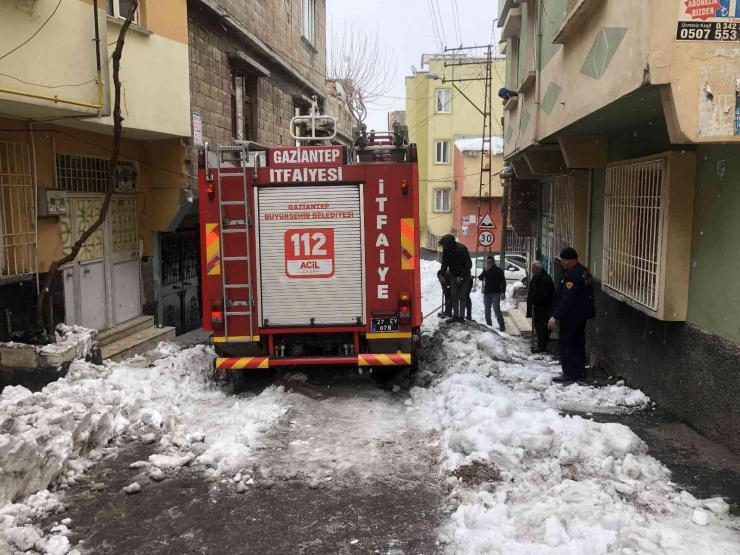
point(486, 238)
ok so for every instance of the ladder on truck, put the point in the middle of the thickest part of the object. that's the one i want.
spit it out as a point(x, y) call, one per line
point(232, 162)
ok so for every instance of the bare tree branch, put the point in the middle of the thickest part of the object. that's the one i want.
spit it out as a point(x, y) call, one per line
point(117, 132)
point(362, 66)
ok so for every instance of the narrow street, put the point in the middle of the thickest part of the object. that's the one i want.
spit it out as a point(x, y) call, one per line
point(348, 468)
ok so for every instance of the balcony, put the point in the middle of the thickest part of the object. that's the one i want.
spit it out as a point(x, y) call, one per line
point(62, 80)
point(513, 24)
point(577, 16)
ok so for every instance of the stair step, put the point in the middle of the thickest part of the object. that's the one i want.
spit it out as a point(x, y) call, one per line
point(137, 343)
point(126, 328)
point(511, 327)
point(522, 322)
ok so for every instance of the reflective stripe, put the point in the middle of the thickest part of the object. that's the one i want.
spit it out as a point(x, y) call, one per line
point(235, 338)
point(213, 250)
point(242, 363)
point(408, 244)
point(399, 335)
point(384, 360)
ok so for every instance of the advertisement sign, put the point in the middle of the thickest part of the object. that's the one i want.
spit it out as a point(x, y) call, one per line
point(309, 253)
point(197, 129)
point(708, 20)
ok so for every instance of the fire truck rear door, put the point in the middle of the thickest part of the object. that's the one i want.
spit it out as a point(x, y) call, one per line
point(311, 255)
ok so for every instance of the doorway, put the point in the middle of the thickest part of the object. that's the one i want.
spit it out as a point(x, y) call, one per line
point(101, 286)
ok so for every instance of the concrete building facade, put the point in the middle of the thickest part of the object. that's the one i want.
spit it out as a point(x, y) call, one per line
point(55, 143)
point(626, 124)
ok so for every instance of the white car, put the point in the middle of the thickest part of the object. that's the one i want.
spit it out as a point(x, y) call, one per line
point(513, 271)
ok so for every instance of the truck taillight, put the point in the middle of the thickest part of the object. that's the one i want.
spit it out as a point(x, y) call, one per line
point(217, 314)
point(405, 186)
point(404, 308)
point(211, 190)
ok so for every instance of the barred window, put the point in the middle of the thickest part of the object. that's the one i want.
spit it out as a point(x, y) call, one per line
point(633, 231)
point(82, 174)
point(17, 211)
point(564, 214)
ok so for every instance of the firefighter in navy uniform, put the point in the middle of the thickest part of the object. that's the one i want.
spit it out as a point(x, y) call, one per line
point(573, 307)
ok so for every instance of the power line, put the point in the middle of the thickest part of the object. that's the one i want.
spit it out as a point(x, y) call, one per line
point(435, 29)
point(32, 36)
point(441, 23)
point(94, 79)
point(456, 19)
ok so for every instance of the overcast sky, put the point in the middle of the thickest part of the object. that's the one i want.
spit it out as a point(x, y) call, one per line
point(406, 31)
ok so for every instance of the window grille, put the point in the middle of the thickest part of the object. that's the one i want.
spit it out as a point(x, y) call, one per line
point(432, 241)
point(633, 230)
point(563, 209)
point(82, 174)
point(547, 228)
point(17, 211)
point(514, 243)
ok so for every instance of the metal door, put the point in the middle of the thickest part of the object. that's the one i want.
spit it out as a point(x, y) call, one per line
point(125, 280)
point(84, 279)
point(327, 240)
point(180, 278)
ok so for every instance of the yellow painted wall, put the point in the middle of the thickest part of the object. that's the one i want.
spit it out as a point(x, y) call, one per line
point(426, 127)
point(155, 73)
point(63, 53)
point(471, 182)
point(162, 176)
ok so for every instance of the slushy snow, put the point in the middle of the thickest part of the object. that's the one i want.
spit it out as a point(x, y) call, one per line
point(570, 486)
point(48, 439)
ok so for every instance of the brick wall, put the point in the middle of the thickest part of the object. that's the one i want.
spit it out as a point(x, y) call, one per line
point(277, 23)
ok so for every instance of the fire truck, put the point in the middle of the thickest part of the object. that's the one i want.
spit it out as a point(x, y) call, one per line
point(310, 254)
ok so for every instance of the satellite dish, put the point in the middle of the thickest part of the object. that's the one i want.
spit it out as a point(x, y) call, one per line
point(340, 92)
point(413, 69)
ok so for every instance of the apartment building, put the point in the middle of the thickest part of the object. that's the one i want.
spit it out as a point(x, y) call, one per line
point(55, 144)
point(438, 113)
point(626, 135)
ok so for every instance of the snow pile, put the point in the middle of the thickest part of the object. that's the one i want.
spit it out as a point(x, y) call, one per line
point(51, 437)
point(569, 486)
point(70, 336)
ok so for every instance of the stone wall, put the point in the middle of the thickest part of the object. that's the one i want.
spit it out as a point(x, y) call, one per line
point(277, 23)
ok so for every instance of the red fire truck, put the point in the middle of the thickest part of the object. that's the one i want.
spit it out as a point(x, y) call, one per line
point(310, 254)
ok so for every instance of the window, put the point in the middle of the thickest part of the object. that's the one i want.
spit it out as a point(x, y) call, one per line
point(308, 21)
point(120, 8)
point(444, 101)
point(442, 152)
point(564, 213)
point(243, 106)
point(633, 230)
point(442, 200)
point(17, 211)
point(82, 174)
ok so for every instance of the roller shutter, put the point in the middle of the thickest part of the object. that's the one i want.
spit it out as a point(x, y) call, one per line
point(310, 247)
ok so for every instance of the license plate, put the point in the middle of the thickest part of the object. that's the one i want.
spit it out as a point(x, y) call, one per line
point(380, 325)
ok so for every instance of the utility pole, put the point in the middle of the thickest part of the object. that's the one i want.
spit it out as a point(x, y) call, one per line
point(487, 113)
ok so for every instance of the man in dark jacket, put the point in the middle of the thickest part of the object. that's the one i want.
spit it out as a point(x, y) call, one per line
point(539, 300)
point(573, 307)
point(445, 281)
point(494, 285)
point(456, 258)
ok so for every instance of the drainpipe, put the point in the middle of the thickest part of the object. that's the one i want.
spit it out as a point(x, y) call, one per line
point(589, 211)
point(537, 58)
point(55, 99)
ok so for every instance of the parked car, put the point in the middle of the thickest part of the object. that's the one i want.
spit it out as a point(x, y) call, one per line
point(514, 271)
